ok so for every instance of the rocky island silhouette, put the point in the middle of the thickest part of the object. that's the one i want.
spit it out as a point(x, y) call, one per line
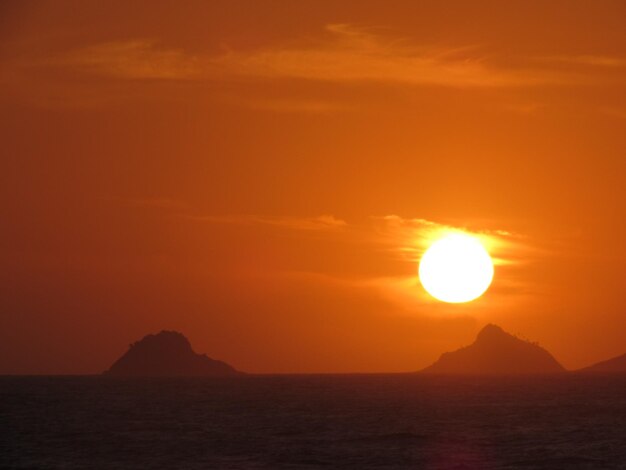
point(167, 354)
point(496, 352)
point(616, 365)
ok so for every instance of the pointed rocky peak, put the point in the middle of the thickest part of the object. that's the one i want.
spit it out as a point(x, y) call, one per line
point(492, 332)
point(171, 341)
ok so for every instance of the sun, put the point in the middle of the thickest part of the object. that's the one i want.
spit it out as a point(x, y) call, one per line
point(456, 268)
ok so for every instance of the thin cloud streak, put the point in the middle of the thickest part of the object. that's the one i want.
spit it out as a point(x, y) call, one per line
point(322, 222)
point(589, 60)
point(406, 239)
point(137, 59)
point(345, 54)
point(390, 236)
point(409, 238)
point(351, 54)
point(276, 105)
point(384, 240)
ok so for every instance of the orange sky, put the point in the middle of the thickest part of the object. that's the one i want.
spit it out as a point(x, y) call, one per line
point(263, 177)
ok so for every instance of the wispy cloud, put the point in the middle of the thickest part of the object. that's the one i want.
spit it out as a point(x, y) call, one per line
point(384, 239)
point(404, 238)
point(351, 54)
point(282, 105)
point(179, 208)
point(409, 238)
point(137, 59)
point(322, 222)
point(589, 60)
point(343, 54)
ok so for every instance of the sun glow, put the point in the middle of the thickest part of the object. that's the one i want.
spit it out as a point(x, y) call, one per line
point(456, 268)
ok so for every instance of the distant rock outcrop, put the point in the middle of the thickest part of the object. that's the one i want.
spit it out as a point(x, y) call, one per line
point(617, 365)
point(167, 354)
point(496, 352)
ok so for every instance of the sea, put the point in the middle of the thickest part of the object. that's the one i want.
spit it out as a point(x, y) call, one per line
point(393, 421)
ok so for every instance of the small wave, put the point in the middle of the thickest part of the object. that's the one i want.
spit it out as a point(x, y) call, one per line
point(567, 461)
point(390, 437)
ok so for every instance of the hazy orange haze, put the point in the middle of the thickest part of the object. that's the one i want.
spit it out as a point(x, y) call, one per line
point(263, 177)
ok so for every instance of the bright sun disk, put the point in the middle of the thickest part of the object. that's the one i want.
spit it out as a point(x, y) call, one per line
point(456, 268)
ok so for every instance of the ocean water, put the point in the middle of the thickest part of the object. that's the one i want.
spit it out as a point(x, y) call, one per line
point(323, 421)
